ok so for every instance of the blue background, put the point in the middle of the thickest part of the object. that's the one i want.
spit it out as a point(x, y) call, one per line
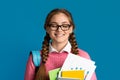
point(97, 32)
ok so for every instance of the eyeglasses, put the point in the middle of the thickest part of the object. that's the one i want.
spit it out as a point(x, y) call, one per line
point(55, 27)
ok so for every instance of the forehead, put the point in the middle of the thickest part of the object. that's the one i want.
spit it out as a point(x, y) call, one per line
point(60, 18)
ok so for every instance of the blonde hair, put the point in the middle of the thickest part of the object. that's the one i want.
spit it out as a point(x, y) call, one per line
point(41, 73)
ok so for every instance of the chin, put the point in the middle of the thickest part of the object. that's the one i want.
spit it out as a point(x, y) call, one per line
point(61, 41)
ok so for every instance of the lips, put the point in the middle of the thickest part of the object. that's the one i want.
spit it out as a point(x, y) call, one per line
point(59, 35)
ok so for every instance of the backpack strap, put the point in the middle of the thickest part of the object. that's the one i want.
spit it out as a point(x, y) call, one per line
point(36, 58)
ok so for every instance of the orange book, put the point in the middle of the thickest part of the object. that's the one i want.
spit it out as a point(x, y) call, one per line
point(73, 74)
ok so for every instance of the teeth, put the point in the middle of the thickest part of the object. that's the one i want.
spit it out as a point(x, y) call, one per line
point(59, 35)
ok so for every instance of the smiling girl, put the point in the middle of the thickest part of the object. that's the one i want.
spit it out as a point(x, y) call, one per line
point(58, 42)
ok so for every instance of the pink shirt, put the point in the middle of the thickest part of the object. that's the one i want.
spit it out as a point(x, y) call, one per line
point(55, 60)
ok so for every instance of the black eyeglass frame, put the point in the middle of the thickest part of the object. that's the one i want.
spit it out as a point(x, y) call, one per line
point(61, 26)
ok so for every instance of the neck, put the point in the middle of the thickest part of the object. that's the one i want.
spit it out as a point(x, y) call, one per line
point(59, 45)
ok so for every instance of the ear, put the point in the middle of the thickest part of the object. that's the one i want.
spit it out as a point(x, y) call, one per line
point(47, 30)
point(71, 29)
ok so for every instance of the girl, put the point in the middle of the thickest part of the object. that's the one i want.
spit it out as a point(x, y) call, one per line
point(58, 42)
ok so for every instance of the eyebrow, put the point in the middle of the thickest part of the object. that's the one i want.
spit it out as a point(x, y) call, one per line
point(53, 22)
point(57, 23)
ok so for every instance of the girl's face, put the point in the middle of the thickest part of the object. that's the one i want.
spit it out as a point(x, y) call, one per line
point(59, 28)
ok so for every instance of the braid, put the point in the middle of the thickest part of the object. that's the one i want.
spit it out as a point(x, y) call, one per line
point(73, 43)
point(45, 48)
point(41, 73)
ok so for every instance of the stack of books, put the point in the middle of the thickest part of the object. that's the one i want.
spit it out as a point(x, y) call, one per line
point(74, 68)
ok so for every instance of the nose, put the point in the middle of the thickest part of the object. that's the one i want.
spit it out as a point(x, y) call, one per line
point(59, 28)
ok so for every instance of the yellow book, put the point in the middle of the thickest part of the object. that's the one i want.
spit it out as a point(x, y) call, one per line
point(73, 74)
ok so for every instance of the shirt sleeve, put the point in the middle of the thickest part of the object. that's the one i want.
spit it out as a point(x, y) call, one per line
point(86, 55)
point(30, 69)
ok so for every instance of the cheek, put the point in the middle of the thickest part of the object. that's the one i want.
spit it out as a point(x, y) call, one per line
point(67, 33)
point(51, 34)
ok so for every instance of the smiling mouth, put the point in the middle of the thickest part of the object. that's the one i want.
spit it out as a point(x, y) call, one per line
point(59, 35)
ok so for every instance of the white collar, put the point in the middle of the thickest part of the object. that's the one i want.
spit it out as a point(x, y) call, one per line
point(67, 48)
